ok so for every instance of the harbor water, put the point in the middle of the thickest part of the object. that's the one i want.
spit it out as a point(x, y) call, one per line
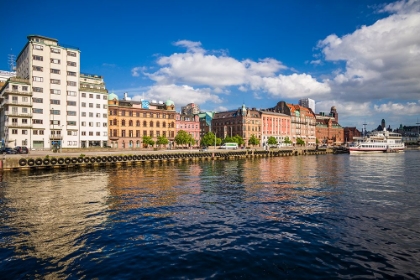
point(301, 217)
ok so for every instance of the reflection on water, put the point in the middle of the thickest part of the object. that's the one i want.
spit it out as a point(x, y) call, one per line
point(328, 216)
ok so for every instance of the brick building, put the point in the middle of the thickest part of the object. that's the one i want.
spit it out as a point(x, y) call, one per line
point(328, 130)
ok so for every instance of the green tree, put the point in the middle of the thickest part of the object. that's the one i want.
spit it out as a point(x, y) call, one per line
point(208, 139)
point(147, 140)
point(271, 140)
point(238, 139)
point(253, 140)
point(162, 140)
point(183, 138)
point(300, 142)
point(287, 140)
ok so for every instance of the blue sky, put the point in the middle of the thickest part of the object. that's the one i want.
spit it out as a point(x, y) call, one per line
point(361, 56)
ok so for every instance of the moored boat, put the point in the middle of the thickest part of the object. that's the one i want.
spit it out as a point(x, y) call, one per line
point(378, 142)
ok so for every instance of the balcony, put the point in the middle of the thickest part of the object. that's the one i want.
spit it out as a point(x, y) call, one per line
point(16, 103)
point(56, 137)
point(114, 138)
point(17, 125)
point(17, 92)
point(17, 114)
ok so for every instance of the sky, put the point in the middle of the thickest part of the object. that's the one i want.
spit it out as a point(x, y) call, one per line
point(363, 57)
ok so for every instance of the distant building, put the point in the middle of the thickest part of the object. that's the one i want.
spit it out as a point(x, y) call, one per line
point(189, 123)
point(205, 122)
point(302, 121)
point(274, 124)
point(350, 133)
point(328, 130)
point(307, 103)
point(130, 120)
point(190, 109)
point(5, 75)
point(243, 122)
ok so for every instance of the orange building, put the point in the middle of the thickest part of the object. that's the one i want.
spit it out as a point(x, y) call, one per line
point(328, 130)
point(302, 122)
point(130, 120)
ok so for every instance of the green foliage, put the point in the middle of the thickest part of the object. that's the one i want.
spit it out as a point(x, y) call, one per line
point(147, 140)
point(253, 140)
point(82, 155)
point(317, 141)
point(162, 140)
point(234, 139)
point(300, 142)
point(208, 139)
point(287, 140)
point(184, 138)
point(47, 156)
point(271, 140)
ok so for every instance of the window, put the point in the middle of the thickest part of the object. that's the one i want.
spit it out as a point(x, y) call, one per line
point(104, 124)
point(71, 93)
point(71, 103)
point(71, 113)
point(83, 123)
point(55, 61)
point(37, 57)
point(105, 116)
point(98, 115)
point(105, 106)
point(55, 112)
point(90, 133)
point(71, 83)
point(83, 133)
point(91, 124)
point(71, 63)
point(38, 47)
point(37, 100)
point(14, 131)
point(137, 123)
point(144, 123)
point(55, 81)
point(55, 101)
point(24, 88)
point(69, 53)
point(83, 104)
point(90, 105)
point(55, 91)
point(36, 121)
point(90, 115)
point(55, 71)
point(37, 68)
point(123, 123)
point(90, 95)
point(83, 94)
point(144, 133)
point(83, 114)
point(38, 89)
point(98, 106)
point(104, 97)
point(98, 133)
point(98, 96)
point(70, 73)
point(55, 50)
point(37, 79)
point(37, 111)
point(71, 123)
point(98, 124)
point(151, 124)
point(24, 132)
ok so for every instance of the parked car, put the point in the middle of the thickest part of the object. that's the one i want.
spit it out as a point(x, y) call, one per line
point(7, 150)
point(22, 150)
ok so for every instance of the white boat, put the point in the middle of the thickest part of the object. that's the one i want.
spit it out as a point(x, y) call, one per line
point(378, 142)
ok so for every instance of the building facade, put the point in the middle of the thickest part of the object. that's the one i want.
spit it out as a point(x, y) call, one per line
point(190, 124)
point(130, 120)
point(302, 122)
point(243, 122)
point(190, 109)
point(205, 122)
point(328, 130)
point(275, 125)
point(307, 103)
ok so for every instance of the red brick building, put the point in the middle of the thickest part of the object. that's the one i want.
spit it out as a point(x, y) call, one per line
point(328, 130)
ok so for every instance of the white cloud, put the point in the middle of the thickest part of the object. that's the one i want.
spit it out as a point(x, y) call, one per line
point(404, 109)
point(135, 71)
point(382, 60)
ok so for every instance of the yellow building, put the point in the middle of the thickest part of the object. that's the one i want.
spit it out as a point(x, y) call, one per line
point(130, 120)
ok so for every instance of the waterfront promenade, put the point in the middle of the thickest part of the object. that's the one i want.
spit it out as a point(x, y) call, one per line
point(110, 157)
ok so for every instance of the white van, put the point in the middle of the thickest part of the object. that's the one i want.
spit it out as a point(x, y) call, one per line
point(232, 146)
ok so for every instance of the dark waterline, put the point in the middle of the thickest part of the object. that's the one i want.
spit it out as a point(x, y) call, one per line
point(327, 216)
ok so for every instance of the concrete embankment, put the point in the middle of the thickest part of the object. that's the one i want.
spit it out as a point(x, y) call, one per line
point(75, 160)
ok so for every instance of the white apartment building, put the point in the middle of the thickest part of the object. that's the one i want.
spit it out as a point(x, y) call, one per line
point(93, 111)
point(48, 78)
point(307, 103)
